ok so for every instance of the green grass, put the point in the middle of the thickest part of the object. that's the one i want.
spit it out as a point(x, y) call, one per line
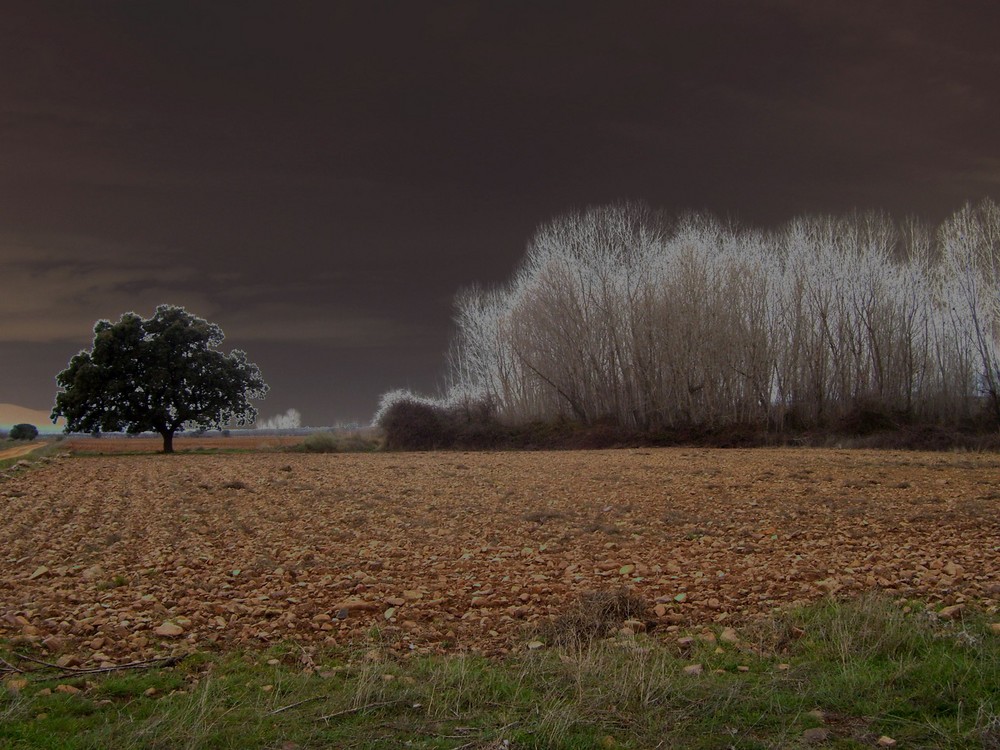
point(868, 667)
point(337, 442)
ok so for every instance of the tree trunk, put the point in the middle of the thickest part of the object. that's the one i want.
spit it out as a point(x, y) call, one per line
point(168, 441)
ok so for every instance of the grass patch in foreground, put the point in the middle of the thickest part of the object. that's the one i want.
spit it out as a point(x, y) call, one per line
point(851, 672)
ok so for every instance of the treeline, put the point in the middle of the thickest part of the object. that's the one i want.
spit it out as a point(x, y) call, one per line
point(620, 316)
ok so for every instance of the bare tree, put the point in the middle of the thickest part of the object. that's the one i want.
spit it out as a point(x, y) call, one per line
point(616, 314)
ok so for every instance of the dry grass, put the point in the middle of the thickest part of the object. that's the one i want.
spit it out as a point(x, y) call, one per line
point(595, 615)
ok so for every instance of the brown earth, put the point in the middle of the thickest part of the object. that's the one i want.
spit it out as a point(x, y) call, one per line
point(472, 551)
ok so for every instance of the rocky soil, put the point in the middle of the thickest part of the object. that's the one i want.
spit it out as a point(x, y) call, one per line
point(113, 558)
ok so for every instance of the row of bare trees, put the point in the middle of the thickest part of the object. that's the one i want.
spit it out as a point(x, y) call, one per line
point(619, 314)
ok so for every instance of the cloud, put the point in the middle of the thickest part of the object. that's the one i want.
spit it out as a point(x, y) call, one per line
point(320, 326)
point(53, 295)
point(56, 288)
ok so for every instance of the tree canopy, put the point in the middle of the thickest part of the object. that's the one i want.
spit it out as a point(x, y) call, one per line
point(23, 431)
point(157, 374)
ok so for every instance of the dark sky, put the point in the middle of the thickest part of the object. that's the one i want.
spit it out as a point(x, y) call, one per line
point(320, 178)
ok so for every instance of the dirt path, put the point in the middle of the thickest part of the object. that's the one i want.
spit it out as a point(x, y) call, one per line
point(129, 556)
point(21, 450)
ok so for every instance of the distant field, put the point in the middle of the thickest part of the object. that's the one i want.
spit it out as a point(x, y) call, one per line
point(182, 442)
point(445, 551)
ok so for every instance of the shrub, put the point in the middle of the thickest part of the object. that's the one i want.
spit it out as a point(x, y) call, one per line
point(595, 615)
point(23, 432)
point(412, 423)
point(320, 442)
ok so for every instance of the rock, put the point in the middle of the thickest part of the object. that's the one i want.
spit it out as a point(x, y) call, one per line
point(636, 626)
point(322, 617)
point(395, 601)
point(68, 661)
point(169, 630)
point(693, 669)
point(357, 605)
point(829, 585)
point(816, 734)
point(94, 571)
point(626, 570)
point(660, 610)
point(16, 686)
point(728, 635)
point(535, 645)
point(950, 613)
point(681, 598)
point(389, 613)
point(39, 572)
point(885, 741)
point(412, 595)
point(53, 643)
point(952, 570)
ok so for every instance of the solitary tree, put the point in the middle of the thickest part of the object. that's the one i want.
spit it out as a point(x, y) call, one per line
point(23, 432)
point(157, 375)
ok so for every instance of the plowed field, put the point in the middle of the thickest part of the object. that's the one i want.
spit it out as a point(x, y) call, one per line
point(469, 551)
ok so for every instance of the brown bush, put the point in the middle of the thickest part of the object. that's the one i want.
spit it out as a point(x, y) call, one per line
point(410, 424)
point(595, 615)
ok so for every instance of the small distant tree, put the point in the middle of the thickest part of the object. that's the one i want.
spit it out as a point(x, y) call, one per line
point(23, 432)
point(157, 374)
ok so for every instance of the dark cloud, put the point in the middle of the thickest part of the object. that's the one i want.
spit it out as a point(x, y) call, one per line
point(320, 178)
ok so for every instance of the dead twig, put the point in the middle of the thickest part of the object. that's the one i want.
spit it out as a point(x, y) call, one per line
point(26, 657)
point(61, 672)
point(10, 667)
point(357, 709)
point(297, 703)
